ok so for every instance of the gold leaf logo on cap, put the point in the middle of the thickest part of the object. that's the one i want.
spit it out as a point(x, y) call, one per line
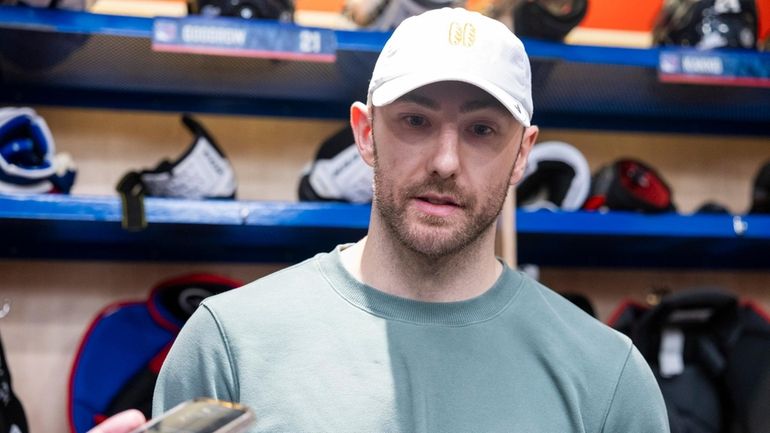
point(469, 34)
point(462, 34)
point(455, 34)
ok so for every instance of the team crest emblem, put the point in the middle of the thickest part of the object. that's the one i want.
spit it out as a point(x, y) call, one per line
point(462, 34)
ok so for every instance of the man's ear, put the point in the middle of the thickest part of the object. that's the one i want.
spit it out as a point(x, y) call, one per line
point(362, 131)
point(530, 136)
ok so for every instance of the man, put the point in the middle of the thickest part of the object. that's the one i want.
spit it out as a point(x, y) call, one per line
point(419, 327)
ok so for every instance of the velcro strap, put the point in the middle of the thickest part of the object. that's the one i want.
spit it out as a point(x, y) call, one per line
point(132, 190)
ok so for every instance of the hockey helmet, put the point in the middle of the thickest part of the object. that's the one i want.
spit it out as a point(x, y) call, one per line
point(629, 184)
point(557, 176)
point(707, 24)
point(548, 19)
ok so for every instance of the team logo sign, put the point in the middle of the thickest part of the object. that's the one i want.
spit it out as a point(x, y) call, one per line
point(462, 34)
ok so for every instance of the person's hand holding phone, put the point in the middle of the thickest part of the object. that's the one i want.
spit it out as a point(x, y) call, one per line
point(201, 415)
point(122, 422)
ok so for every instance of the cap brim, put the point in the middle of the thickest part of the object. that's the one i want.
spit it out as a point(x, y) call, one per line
point(399, 86)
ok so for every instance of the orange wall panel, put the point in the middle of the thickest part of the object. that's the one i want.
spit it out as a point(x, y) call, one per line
point(639, 15)
point(319, 5)
point(763, 9)
point(633, 15)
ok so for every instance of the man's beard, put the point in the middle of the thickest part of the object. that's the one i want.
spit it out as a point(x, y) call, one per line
point(428, 234)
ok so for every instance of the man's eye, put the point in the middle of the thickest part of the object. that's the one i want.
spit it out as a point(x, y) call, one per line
point(481, 130)
point(415, 121)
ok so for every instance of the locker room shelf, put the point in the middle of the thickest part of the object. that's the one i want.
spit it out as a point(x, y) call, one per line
point(79, 59)
point(88, 227)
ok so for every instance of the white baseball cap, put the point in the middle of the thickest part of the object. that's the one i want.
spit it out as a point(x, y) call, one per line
point(454, 45)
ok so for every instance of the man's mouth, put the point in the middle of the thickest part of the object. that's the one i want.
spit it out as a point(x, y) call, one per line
point(437, 205)
point(438, 200)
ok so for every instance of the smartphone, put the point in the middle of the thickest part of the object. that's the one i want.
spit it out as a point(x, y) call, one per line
point(202, 415)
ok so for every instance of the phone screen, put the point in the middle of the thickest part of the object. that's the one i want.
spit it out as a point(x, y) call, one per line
point(197, 417)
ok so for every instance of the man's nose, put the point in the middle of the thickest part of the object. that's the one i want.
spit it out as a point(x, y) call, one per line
point(445, 161)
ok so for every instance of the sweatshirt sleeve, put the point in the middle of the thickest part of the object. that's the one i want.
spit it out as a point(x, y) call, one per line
point(637, 405)
point(198, 365)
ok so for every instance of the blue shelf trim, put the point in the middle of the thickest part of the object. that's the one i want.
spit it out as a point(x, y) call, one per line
point(83, 227)
point(625, 239)
point(647, 58)
point(627, 224)
point(757, 227)
point(361, 40)
point(179, 211)
point(89, 228)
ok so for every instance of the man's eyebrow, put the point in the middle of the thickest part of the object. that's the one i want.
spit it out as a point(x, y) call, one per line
point(473, 105)
point(418, 99)
point(481, 104)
